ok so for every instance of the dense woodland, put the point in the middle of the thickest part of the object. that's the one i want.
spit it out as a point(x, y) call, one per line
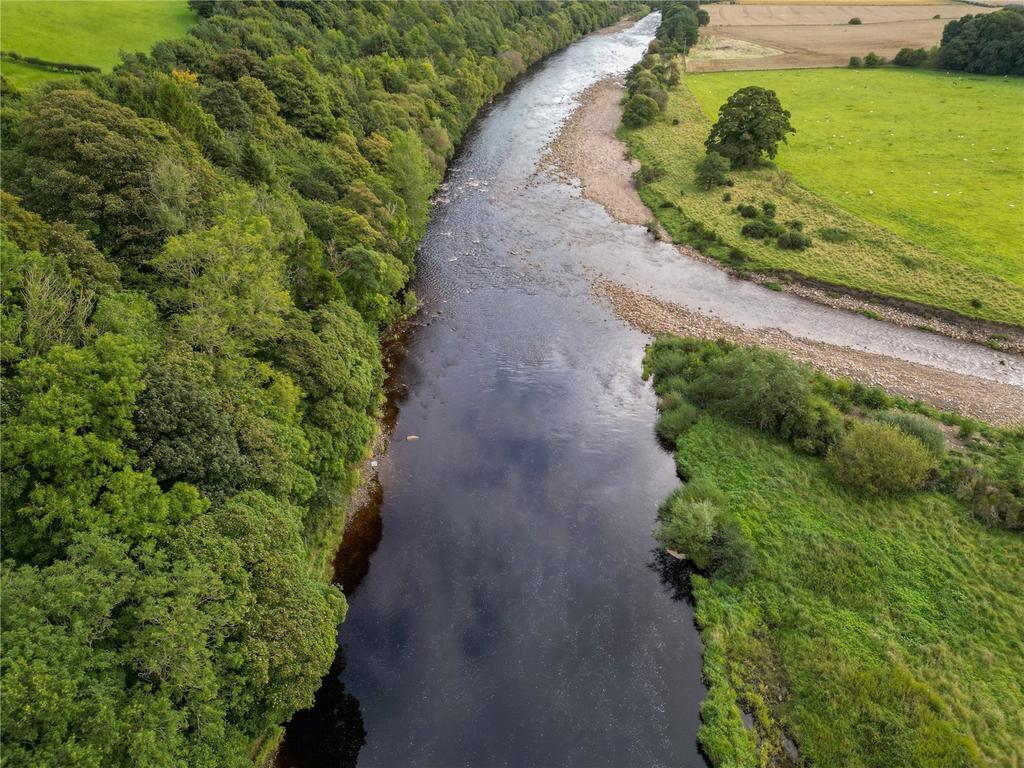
point(199, 252)
point(990, 44)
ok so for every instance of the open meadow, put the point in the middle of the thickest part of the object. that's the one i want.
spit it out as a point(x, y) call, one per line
point(920, 172)
point(84, 31)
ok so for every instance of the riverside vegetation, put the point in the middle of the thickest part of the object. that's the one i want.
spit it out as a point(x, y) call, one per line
point(857, 591)
point(199, 252)
point(923, 210)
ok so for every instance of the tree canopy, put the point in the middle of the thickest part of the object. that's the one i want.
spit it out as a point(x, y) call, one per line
point(750, 126)
point(198, 253)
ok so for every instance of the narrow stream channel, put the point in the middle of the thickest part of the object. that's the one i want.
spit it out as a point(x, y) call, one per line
point(507, 606)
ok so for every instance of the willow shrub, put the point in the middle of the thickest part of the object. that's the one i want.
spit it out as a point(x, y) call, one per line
point(881, 459)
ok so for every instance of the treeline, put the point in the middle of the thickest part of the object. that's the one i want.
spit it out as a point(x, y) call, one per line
point(50, 66)
point(647, 81)
point(988, 44)
point(199, 251)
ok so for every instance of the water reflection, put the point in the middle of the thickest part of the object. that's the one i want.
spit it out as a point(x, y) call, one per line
point(331, 733)
point(673, 573)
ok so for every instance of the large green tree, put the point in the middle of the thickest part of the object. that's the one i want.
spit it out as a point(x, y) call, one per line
point(750, 126)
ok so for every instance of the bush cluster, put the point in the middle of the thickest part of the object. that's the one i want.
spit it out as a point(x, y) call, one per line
point(760, 388)
point(880, 458)
point(51, 66)
point(694, 522)
point(915, 425)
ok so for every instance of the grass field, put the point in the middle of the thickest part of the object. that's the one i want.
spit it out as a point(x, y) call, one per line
point(925, 172)
point(85, 31)
point(876, 632)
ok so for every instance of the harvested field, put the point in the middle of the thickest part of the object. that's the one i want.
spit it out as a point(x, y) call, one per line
point(818, 35)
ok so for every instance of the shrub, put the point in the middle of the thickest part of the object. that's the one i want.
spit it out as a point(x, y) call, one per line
point(711, 171)
point(795, 224)
point(648, 173)
point(873, 60)
point(640, 110)
point(737, 257)
point(834, 235)
point(746, 210)
point(910, 57)
point(727, 197)
point(689, 527)
point(674, 421)
point(761, 230)
point(855, 20)
point(659, 96)
point(855, 61)
point(925, 430)
point(768, 391)
point(881, 459)
point(693, 521)
point(793, 240)
point(755, 229)
point(769, 208)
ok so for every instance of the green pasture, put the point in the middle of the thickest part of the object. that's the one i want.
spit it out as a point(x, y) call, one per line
point(923, 170)
point(84, 31)
point(875, 632)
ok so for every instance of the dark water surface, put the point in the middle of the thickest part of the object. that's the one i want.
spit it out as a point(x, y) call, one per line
point(506, 604)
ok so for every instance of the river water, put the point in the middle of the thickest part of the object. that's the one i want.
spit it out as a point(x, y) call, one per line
point(507, 606)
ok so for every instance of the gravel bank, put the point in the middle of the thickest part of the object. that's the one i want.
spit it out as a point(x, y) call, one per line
point(994, 402)
point(588, 150)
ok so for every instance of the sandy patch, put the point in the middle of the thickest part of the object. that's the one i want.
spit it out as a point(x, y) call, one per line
point(588, 150)
point(819, 35)
point(989, 401)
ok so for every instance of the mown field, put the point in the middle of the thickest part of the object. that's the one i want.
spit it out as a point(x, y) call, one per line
point(921, 169)
point(85, 31)
point(879, 632)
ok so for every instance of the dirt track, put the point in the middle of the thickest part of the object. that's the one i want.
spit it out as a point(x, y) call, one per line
point(819, 35)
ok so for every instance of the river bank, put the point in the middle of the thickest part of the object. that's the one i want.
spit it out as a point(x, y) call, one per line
point(588, 149)
point(994, 402)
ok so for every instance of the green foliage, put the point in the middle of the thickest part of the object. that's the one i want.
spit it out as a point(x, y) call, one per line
point(207, 244)
point(910, 57)
point(991, 44)
point(711, 171)
point(873, 60)
point(639, 110)
point(924, 429)
point(834, 235)
point(855, 61)
point(695, 525)
point(678, 30)
point(881, 459)
point(793, 240)
point(674, 421)
point(750, 126)
point(760, 388)
point(855, 20)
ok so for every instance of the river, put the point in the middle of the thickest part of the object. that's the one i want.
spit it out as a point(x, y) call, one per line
point(507, 605)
